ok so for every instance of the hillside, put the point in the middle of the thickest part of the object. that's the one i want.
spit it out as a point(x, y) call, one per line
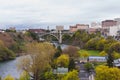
point(7, 39)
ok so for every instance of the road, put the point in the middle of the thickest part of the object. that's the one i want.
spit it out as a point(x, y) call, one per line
point(83, 74)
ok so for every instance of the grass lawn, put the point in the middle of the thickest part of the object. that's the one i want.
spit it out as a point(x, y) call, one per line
point(91, 52)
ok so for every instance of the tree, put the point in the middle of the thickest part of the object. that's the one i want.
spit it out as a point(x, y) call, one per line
point(38, 57)
point(9, 77)
point(71, 65)
point(24, 76)
point(115, 47)
point(101, 43)
point(72, 51)
point(80, 37)
point(92, 43)
point(106, 73)
point(83, 53)
point(66, 37)
point(116, 55)
point(110, 59)
point(72, 75)
point(88, 66)
point(103, 53)
point(5, 53)
point(34, 36)
point(49, 75)
point(63, 60)
point(58, 52)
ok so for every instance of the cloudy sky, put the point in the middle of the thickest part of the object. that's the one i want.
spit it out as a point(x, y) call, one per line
point(43, 13)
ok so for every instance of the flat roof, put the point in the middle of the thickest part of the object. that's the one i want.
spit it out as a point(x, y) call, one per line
point(96, 57)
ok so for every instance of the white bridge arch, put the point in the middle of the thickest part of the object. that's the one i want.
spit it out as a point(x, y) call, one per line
point(57, 35)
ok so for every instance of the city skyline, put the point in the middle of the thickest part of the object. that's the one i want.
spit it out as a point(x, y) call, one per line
point(43, 13)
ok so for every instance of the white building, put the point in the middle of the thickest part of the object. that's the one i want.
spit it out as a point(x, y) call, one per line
point(96, 59)
point(118, 20)
point(96, 25)
point(117, 62)
point(111, 31)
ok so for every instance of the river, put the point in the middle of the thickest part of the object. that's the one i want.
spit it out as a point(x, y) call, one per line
point(10, 67)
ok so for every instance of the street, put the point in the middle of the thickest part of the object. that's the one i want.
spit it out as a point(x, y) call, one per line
point(83, 74)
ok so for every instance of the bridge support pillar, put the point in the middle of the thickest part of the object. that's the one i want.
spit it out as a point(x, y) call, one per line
point(60, 37)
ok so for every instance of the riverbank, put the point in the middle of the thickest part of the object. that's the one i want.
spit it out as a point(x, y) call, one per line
point(10, 67)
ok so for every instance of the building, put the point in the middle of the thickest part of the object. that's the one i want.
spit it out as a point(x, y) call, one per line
point(116, 63)
point(12, 28)
point(95, 25)
point(109, 28)
point(111, 31)
point(92, 30)
point(37, 30)
point(79, 27)
point(108, 23)
point(59, 28)
point(118, 20)
point(96, 59)
point(2, 31)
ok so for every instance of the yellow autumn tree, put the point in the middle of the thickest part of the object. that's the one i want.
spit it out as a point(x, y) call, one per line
point(9, 77)
point(106, 73)
point(63, 60)
point(24, 76)
point(72, 75)
point(38, 57)
point(103, 53)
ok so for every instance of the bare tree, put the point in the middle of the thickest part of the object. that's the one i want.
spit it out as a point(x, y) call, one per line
point(71, 51)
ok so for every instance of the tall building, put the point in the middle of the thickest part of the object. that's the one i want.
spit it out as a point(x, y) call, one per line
point(109, 28)
point(118, 20)
point(108, 23)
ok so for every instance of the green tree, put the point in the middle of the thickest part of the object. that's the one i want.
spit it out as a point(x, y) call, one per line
point(116, 55)
point(66, 37)
point(34, 36)
point(101, 43)
point(58, 52)
point(88, 66)
point(92, 43)
point(49, 75)
point(79, 38)
point(115, 47)
point(110, 59)
point(72, 75)
point(5, 53)
point(71, 65)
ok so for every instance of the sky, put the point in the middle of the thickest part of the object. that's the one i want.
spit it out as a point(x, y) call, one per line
point(42, 13)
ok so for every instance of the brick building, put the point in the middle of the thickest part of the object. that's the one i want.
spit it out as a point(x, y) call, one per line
point(79, 27)
point(108, 23)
